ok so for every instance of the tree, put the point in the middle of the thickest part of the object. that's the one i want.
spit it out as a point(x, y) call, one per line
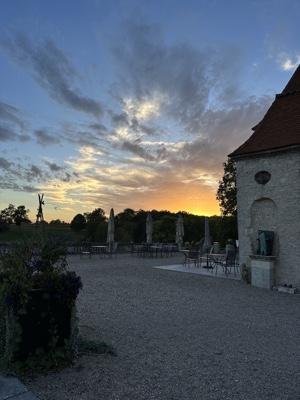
point(164, 230)
point(17, 215)
point(78, 223)
point(7, 214)
point(125, 225)
point(4, 226)
point(93, 220)
point(100, 234)
point(98, 215)
point(226, 194)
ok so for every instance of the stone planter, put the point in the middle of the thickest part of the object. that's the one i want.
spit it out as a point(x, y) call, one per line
point(44, 319)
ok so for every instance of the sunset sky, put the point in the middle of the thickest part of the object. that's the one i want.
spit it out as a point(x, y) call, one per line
point(134, 103)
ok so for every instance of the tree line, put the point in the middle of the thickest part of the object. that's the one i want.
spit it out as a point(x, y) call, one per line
point(130, 225)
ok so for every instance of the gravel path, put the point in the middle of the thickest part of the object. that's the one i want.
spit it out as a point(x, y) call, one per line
point(178, 336)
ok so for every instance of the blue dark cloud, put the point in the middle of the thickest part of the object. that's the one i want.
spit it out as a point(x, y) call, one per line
point(192, 80)
point(137, 150)
point(12, 124)
point(44, 138)
point(4, 164)
point(52, 71)
point(54, 167)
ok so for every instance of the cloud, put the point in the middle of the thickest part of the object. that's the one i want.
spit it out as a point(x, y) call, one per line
point(176, 111)
point(12, 125)
point(7, 134)
point(54, 167)
point(287, 64)
point(33, 173)
point(52, 70)
point(44, 138)
point(30, 189)
point(120, 120)
point(11, 114)
point(178, 82)
point(17, 175)
point(18, 187)
point(137, 150)
point(4, 164)
point(67, 177)
point(98, 128)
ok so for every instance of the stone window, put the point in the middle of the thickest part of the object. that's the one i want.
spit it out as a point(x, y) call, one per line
point(262, 177)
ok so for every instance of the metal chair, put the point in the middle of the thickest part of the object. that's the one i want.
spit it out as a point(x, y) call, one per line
point(157, 248)
point(231, 261)
point(146, 250)
point(85, 251)
point(227, 262)
point(168, 249)
point(192, 256)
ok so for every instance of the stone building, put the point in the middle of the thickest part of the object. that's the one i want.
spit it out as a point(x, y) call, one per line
point(268, 185)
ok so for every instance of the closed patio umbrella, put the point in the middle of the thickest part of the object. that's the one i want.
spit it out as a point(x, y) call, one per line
point(179, 231)
point(111, 228)
point(207, 242)
point(149, 228)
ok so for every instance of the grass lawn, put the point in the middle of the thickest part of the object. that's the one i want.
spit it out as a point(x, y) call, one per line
point(16, 234)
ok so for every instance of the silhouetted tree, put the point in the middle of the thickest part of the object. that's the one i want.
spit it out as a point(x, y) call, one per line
point(93, 218)
point(125, 225)
point(4, 226)
point(97, 215)
point(78, 223)
point(100, 234)
point(17, 215)
point(164, 230)
point(226, 194)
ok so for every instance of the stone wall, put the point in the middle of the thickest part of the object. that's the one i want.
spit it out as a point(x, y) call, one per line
point(273, 206)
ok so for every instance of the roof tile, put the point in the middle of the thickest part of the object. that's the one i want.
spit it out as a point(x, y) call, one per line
point(280, 127)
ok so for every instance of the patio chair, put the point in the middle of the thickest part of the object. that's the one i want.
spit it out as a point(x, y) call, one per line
point(85, 251)
point(135, 249)
point(168, 249)
point(192, 256)
point(232, 261)
point(157, 248)
point(204, 259)
point(146, 250)
point(226, 263)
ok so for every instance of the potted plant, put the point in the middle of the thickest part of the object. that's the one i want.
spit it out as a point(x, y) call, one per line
point(38, 302)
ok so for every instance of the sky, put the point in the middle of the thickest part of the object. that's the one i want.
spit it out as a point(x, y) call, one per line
point(134, 103)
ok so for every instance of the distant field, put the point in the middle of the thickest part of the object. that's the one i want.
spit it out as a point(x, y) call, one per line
point(15, 234)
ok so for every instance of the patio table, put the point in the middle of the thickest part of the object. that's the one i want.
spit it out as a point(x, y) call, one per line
point(216, 259)
point(190, 252)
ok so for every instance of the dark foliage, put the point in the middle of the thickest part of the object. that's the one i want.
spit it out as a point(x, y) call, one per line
point(226, 194)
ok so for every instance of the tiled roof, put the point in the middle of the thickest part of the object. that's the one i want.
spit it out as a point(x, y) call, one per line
point(280, 127)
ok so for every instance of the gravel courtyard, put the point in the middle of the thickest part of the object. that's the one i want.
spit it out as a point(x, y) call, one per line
point(178, 336)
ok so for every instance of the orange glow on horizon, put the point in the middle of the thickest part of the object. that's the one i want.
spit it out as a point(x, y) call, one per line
point(191, 200)
point(207, 208)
